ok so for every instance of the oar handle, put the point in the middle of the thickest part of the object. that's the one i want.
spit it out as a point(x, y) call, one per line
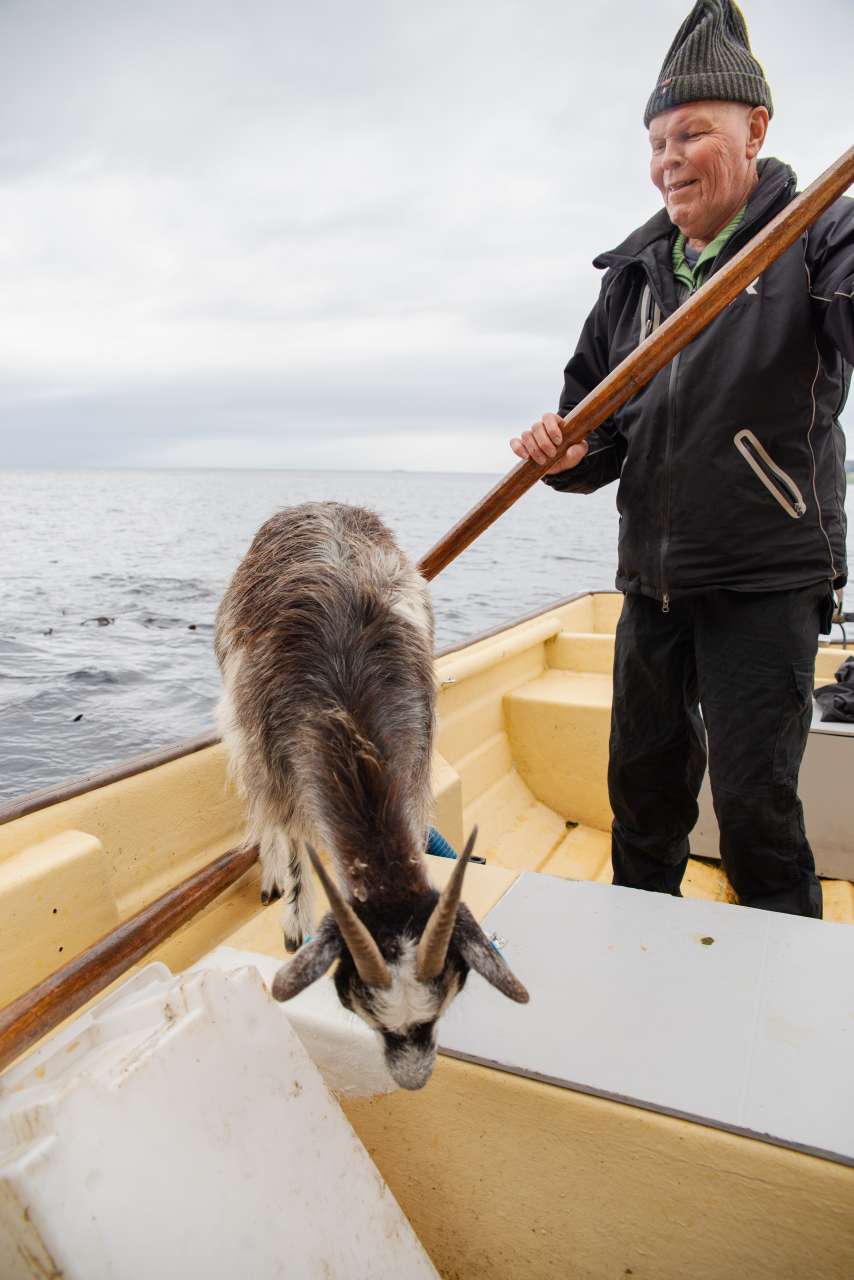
point(652, 354)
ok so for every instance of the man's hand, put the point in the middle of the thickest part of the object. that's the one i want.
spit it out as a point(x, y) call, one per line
point(542, 442)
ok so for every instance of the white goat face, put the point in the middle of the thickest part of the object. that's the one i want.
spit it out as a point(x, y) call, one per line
point(397, 985)
point(404, 1014)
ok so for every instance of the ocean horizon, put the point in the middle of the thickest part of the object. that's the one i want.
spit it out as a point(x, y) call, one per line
point(112, 578)
point(113, 575)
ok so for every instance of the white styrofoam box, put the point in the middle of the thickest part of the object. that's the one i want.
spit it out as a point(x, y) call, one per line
point(180, 1129)
point(346, 1051)
point(736, 1018)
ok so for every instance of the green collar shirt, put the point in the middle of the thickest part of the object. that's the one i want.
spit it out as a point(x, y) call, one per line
point(693, 277)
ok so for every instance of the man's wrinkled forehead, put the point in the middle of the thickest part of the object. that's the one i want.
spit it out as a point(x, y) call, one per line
point(699, 116)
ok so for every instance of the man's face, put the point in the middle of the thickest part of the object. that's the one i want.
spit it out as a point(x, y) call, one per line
point(702, 162)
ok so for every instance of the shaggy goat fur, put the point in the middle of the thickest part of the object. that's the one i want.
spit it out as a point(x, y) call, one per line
point(325, 640)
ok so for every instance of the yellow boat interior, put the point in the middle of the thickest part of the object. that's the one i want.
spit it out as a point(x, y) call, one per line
point(486, 1165)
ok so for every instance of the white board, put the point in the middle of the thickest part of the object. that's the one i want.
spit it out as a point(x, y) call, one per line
point(752, 1031)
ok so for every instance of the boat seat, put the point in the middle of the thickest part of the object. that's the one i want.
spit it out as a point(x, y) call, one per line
point(582, 651)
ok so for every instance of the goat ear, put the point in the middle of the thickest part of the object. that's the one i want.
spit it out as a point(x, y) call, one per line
point(311, 961)
point(480, 955)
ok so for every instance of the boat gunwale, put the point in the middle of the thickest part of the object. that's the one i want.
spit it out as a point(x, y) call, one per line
point(47, 797)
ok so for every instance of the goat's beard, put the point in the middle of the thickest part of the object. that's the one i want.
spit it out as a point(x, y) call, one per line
point(411, 1066)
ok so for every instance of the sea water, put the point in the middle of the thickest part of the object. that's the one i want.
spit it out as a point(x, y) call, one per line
point(110, 582)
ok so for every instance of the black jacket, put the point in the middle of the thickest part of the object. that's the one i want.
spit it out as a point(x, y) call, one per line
point(731, 460)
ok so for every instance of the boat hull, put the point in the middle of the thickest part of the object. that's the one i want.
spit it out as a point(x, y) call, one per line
point(501, 1175)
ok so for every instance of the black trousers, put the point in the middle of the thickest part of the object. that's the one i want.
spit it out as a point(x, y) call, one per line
point(749, 659)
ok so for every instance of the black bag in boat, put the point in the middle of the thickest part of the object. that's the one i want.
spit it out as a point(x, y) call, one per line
point(837, 700)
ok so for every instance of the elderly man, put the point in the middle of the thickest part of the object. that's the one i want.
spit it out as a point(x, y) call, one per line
point(731, 484)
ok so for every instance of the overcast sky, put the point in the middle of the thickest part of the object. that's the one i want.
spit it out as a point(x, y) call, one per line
point(271, 233)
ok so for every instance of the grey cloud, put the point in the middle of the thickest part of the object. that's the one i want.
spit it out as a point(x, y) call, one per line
point(227, 219)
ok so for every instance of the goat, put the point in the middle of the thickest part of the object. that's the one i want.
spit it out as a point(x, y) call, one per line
point(325, 642)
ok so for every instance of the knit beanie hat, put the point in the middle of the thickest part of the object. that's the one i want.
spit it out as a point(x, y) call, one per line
point(710, 58)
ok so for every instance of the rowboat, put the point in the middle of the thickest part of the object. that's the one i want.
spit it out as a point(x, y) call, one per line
point(562, 1145)
point(674, 1100)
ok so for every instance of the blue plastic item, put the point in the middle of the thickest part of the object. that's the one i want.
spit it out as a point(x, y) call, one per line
point(438, 845)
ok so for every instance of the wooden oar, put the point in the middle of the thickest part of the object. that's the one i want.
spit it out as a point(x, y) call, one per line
point(653, 354)
point(65, 991)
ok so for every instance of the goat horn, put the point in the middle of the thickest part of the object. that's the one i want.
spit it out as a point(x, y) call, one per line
point(433, 947)
point(367, 957)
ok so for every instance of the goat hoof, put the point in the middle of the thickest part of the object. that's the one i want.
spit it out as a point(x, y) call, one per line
point(270, 895)
point(291, 944)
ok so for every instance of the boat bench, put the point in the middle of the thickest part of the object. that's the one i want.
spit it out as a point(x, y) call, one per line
point(525, 722)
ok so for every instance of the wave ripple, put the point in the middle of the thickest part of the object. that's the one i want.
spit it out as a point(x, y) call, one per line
point(107, 619)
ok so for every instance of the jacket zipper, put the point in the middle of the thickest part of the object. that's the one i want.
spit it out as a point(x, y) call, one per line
point(668, 464)
point(651, 311)
point(779, 484)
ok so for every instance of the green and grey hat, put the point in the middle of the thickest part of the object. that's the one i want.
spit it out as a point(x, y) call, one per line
point(710, 58)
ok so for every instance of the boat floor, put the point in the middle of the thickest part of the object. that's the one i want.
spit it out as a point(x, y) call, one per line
point(599, 1187)
point(524, 727)
point(521, 752)
point(585, 854)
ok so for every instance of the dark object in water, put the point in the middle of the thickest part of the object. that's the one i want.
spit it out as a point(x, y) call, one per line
point(102, 620)
point(76, 718)
point(837, 700)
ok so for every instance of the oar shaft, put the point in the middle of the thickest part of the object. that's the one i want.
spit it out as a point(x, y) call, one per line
point(62, 993)
point(653, 354)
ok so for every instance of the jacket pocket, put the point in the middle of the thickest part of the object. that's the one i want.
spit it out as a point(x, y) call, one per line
point(780, 485)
